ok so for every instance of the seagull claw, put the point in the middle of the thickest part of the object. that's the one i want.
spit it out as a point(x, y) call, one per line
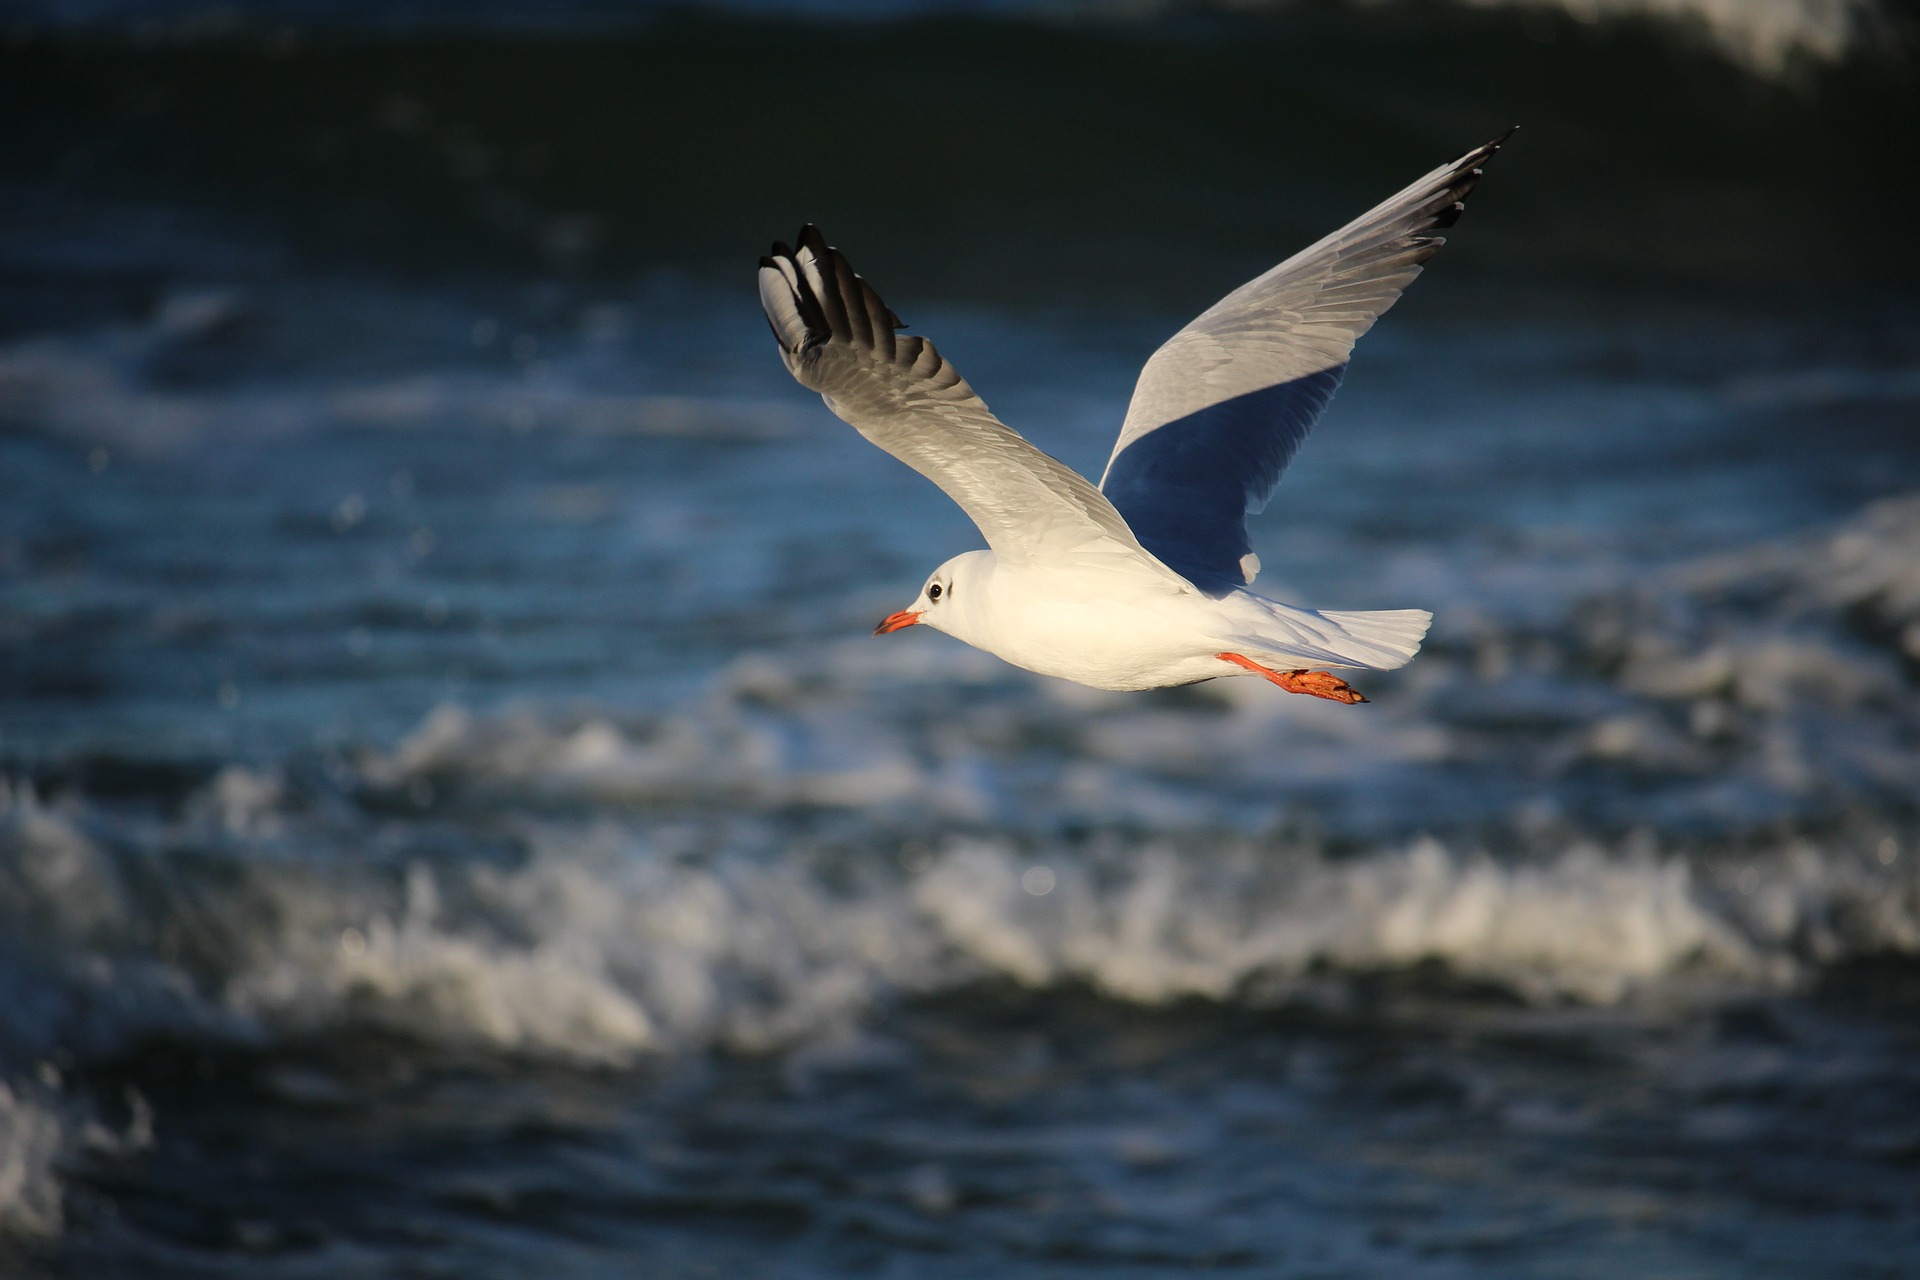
point(1316, 684)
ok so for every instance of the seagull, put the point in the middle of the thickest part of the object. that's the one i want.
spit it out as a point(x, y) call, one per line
point(1143, 582)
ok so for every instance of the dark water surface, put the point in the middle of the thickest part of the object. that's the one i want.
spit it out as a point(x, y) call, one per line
point(453, 821)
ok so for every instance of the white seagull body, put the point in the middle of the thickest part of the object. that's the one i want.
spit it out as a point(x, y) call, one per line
point(1141, 583)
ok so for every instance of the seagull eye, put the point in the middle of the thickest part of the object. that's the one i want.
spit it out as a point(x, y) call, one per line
point(933, 591)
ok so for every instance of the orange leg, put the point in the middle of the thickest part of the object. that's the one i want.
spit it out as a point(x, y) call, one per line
point(1318, 684)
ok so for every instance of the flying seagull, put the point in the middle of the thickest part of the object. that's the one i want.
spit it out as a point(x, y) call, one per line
point(1143, 582)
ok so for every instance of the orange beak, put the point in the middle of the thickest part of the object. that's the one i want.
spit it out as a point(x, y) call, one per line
point(895, 621)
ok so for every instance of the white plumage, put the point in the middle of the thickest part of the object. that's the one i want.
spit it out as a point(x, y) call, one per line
point(1141, 583)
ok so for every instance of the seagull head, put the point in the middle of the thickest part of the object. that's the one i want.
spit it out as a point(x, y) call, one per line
point(943, 601)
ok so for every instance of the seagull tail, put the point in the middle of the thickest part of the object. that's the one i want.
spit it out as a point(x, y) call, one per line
point(1383, 638)
point(1380, 640)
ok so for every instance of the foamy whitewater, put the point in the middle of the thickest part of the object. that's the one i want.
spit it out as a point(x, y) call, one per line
point(819, 833)
point(454, 820)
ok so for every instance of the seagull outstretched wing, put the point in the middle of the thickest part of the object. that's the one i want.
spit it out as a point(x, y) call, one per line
point(838, 338)
point(1222, 407)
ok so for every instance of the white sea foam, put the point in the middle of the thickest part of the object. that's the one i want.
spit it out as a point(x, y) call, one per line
point(1582, 926)
point(31, 1138)
point(1765, 35)
point(611, 939)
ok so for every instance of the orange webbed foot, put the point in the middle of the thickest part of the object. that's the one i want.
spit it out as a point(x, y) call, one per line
point(1316, 684)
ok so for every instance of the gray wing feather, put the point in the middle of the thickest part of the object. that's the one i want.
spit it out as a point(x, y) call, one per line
point(838, 338)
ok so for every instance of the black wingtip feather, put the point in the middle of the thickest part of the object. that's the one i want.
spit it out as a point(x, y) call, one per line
point(808, 302)
point(846, 306)
point(1466, 176)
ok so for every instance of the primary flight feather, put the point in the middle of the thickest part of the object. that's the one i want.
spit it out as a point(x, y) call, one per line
point(1143, 582)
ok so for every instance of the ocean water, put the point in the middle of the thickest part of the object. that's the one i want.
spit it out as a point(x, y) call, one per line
point(454, 821)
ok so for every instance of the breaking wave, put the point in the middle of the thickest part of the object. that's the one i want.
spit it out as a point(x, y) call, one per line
point(604, 941)
point(1763, 35)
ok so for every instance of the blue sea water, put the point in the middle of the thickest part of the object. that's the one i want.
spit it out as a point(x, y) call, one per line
point(454, 820)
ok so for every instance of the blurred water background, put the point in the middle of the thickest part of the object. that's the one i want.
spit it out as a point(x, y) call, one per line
point(455, 823)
